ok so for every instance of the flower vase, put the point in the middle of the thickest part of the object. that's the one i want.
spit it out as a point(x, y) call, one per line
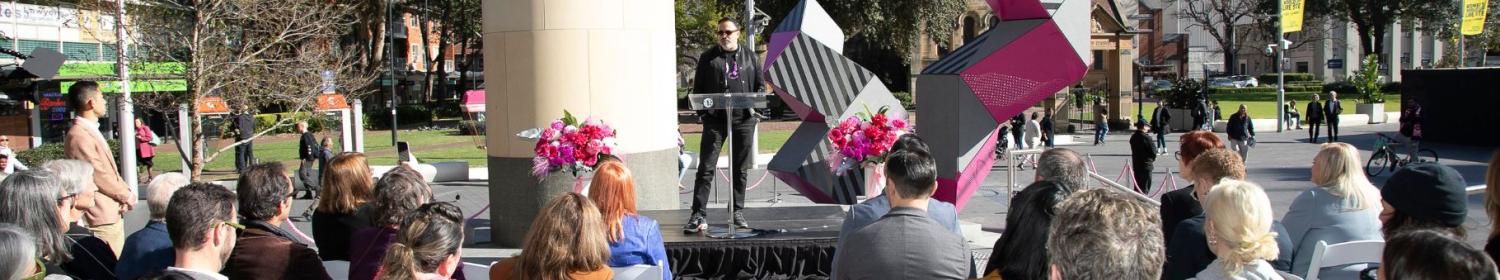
point(874, 179)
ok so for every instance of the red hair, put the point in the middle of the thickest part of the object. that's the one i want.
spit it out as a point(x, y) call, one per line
point(613, 190)
point(1196, 142)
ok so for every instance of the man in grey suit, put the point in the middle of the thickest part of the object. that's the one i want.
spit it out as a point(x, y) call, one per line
point(905, 243)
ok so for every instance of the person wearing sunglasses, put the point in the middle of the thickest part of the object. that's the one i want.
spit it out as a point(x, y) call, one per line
point(6, 152)
point(202, 224)
point(725, 68)
point(265, 250)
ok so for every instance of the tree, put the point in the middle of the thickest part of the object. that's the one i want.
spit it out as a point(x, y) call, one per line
point(1372, 18)
point(453, 20)
point(1219, 18)
point(270, 57)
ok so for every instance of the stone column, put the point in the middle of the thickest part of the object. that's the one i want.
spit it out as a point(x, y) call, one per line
point(1394, 56)
point(1416, 49)
point(609, 59)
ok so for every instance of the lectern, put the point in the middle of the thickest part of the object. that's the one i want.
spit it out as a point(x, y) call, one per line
point(729, 102)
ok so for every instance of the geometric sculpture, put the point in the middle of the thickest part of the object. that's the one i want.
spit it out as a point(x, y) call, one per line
point(1018, 62)
point(806, 68)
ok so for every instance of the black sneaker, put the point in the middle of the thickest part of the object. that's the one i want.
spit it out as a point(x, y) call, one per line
point(739, 220)
point(694, 225)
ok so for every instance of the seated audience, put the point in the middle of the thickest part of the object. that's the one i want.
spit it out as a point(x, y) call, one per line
point(1424, 196)
point(264, 250)
point(18, 260)
point(427, 246)
point(566, 241)
point(633, 239)
point(1239, 232)
point(1105, 234)
point(150, 249)
point(398, 192)
point(346, 186)
point(1178, 205)
point(1064, 167)
point(1021, 251)
point(201, 221)
point(1433, 254)
point(866, 212)
point(92, 257)
point(1188, 253)
point(1344, 206)
point(905, 243)
point(1492, 205)
point(33, 201)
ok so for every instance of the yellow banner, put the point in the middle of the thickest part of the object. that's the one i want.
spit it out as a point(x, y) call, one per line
point(1474, 12)
point(1291, 15)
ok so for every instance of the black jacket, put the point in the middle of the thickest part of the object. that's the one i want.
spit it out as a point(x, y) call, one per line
point(308, 148)
point(1332, 109)
point(1177, 206)
point(244, 123)
point(1142, 149)
point(713, 75)
point(92, 258)
point(1240, 127)
point(1314, 112)
point(1160, 119)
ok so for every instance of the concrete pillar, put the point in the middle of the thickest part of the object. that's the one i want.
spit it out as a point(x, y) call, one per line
point(36, 124)
point(1416, 49)
point(346, 130)
point(185, 137)
point(1394, 72)
point(610, 59)
point(357, 109)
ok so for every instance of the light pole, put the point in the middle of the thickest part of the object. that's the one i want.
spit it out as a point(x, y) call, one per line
point(390, 49)
point(1280, 68)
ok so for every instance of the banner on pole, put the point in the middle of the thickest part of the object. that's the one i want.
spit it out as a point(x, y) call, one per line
point(1474, 12)
point(1291, 15)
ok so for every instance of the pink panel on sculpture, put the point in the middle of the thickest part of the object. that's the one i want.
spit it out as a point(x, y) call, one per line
point(958, 191)
point(1024, 72)
point(1009, 10)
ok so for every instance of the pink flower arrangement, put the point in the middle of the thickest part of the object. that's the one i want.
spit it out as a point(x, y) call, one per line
point(865, 138)
point(567, 143)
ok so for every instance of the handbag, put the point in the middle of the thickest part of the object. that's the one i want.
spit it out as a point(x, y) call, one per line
point(155, 141)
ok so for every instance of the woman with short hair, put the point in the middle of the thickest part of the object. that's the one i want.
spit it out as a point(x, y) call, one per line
point(92, 257)
point(398, 192)
point(1179, 205)
point(347, 185)
point(1343, 207)
point(428, 246)
point(566, 241)
point(1239, 232)
point(633, 239)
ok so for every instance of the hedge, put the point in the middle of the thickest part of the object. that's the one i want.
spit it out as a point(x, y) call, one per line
point(1265, 90)
point(380, 118)
point(265, 121)
point(1270, 78)
point(34, 157)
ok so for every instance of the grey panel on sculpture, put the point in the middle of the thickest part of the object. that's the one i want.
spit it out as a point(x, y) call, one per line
point(1001, 34)
point(806, 155)
point(875, 95)
point(977, 127)
point(834, 79)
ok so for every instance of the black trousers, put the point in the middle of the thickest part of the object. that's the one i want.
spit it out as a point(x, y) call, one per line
point(714, 132)
point(1333, 129)
point(1143, 176)
point(244, 157)
point(1313, 131)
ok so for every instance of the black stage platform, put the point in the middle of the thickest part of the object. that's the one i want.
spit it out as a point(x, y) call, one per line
point(799, 244)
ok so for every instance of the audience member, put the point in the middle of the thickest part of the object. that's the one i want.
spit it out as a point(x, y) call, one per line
point(5, 162)
point(866, 212)
point(398, 192)
point(633, 239)
point(1424, 196)
point(92, 257)
point(1188, 253)
point(150, 249)
point(15, 164)
point(1433, 254)
point(566, 241)
point(1064, 167)
point(1343, 207)
point(1105, 234)
point(166, 275)
point(1021, 251)
point(1239, 229)
point(33, 201)
point(1492, 205)
point(428, 246)
point(84, 142)
point(264, 250)
point(347, 185)
point(201, 221)
point(905, 243)
point(1178, 205)
point(18, 260)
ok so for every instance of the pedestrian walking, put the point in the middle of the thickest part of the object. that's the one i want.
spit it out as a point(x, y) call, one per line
point(1161, 122)
point(1241, 132)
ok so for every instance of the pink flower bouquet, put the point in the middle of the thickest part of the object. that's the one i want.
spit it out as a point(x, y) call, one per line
point(863, 139)
point(569, 144)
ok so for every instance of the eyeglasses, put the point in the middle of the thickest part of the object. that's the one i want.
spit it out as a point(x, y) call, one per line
point(727, 32)
point(1177, 155)
point(234, 225)
point(65, 199)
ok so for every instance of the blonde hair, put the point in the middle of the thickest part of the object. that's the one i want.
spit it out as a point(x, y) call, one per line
point(567, 236)
point(1239, 214)
point(613, 191)
point(1339, 172)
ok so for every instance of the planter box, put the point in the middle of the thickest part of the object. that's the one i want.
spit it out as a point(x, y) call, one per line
point(1376, 111)
point(1182, 119)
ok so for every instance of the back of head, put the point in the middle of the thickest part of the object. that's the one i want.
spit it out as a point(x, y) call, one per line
point(31, 200)
point(346, 184)
point(1106, 234)
point(262, 189)
point(165, 275)
point(1426, 196)
point(1428, 254)
point(567, 236)
point(428, 236)
point(1492, 193)
point(76, 176)
point(913, 172)
point(1239, 215)
point(80, 93)
point(613, 191)
point(19, 253)
point(1217, 164)
point(1340, 173)
point(1021, 250)
point(1197, 142)
point(1065, 167)
point(396, 194)
point(196, 209)
point(909, 141)
point(159, 192)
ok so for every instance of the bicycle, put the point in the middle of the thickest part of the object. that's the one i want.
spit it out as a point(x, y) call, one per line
point(1387, 159)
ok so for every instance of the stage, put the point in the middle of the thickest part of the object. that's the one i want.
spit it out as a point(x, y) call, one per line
point(799, 244)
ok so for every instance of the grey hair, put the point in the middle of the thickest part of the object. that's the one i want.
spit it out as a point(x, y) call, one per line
point(19, 253)
point(160, 192)
point(76, 176)
point(31, 199)
point(1064, 167)
point(1104, 234)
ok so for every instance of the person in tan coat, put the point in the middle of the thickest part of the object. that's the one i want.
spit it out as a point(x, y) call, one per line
point(83, 141)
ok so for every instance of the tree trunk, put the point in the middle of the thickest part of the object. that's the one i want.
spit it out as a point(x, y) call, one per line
point(1230, 51)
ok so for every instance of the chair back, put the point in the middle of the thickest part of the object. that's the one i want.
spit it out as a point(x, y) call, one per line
point(637, 272)
point(1325, 255)
point(338, 270)
point(474, 271)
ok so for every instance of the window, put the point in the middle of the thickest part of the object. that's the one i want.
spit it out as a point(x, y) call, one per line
point(1302, 67)
point(1098, 60)
point(27, 46)
point(81, 51)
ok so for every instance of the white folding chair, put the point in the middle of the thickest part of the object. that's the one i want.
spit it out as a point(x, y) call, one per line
point(474, 271)
point(338, 270)
point(1352, 252)
point(637, 272)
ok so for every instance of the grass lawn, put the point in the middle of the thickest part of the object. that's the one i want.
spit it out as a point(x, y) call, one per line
point(284, 148)
point(770, 141)
point(1262, 106)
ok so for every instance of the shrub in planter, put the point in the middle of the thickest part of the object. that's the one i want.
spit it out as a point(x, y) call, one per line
point(906, 100)
point(1184, 95)
point(470, 127)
